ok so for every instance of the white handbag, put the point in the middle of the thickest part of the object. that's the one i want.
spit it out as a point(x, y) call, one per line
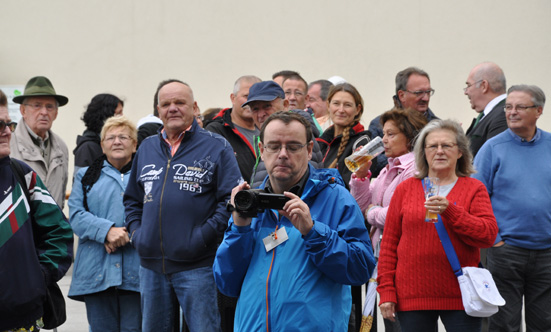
point(479, 292)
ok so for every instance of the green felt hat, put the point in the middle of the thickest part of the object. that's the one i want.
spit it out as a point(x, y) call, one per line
point(40, 86)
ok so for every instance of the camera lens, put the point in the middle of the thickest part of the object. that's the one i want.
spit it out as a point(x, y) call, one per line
point(244, 200)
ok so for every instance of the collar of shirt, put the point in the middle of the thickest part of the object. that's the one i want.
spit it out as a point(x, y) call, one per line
point(493, 103)
point(401, 160)
point(174, 147)
point(42, 143)
point(297, 189)
point(516, 137)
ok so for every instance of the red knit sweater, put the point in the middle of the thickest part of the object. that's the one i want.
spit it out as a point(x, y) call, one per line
point(414, 271)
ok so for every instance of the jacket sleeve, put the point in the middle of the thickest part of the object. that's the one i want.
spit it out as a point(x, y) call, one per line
point(84, 223)
point(53, 234)
point(361, 191)
point(342, 253)
point(133, 199)
point(228, 176)
point(233, 258)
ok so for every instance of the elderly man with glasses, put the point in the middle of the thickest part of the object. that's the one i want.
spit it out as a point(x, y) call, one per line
point(514, 166)
point(33, 140)
point(485, 87)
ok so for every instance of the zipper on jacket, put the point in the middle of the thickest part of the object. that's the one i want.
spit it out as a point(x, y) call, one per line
point(160, 214)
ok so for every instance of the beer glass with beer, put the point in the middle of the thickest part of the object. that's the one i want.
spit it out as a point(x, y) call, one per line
point(431, 186)
point(365, 154)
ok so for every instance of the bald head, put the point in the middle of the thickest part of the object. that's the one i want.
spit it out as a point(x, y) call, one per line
point(485, 82)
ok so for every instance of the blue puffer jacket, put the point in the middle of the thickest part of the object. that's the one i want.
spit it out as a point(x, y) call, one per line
point(95, 270)
point(301, 285)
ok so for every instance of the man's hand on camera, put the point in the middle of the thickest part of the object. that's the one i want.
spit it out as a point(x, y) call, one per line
point(298, 213)
point(237, 219)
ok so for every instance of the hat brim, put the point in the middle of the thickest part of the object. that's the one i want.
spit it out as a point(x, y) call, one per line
point(259, 98)
point(62, 100)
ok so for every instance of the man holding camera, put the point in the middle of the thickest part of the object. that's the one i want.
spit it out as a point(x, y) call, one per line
point(291, 268)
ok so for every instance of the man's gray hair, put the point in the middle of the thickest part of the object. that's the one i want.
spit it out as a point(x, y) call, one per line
point(26, 100)
point(325, 86)
point(246, 78)
point(538, 97)
point(402, 77)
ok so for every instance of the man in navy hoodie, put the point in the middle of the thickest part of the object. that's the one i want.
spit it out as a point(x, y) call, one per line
point(176, 212)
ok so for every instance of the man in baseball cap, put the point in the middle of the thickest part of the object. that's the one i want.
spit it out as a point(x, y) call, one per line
point(35, 143)
point(265, 98)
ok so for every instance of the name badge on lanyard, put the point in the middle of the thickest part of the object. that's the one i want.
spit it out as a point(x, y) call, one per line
point(275, 238)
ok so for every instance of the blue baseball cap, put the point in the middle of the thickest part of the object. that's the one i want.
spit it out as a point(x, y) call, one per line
point(264, 91)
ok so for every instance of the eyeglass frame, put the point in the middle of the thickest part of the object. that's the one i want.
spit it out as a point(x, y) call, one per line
point(469, 85)
point(445, 147)
point(122, 138)
point(3, 124)
point(297, 147)
point(518, 108)
point(38, 106)
point(421, 93)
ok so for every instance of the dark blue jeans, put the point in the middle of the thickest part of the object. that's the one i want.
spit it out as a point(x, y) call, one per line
point(196, 293)
point(427, 320)
point(519, 273)
point(114, 310)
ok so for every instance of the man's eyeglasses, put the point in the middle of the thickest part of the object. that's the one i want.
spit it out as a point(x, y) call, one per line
point(122, 138)
point(297, 93)
point(444, 146)
point(471, 84)
point(421, 93)
point(290, 147)
point(4, 124)
point(519, 108)
point(38, 107)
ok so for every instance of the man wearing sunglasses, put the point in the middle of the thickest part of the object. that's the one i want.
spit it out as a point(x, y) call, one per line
point(33, 140)
point(36, 241)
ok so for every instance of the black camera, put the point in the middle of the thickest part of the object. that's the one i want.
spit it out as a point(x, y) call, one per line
point(248, 203)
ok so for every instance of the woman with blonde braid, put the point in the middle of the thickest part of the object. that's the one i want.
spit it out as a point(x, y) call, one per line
point(347, 133)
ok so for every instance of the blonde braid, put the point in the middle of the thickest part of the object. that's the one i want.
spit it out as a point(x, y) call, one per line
point(342, 146)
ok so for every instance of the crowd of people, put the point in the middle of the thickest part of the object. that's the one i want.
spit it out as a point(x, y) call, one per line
point(248, 219)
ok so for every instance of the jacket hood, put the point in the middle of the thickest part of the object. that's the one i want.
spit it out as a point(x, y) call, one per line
point(87, 136)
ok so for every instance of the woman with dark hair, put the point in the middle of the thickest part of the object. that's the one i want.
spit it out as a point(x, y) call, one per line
point(347, 133)
point(106, 266)
point(101, 107)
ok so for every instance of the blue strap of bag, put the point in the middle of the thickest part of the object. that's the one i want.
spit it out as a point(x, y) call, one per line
point(448, 247)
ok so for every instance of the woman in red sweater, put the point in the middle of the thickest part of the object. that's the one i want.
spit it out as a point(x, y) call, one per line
point(415, 278)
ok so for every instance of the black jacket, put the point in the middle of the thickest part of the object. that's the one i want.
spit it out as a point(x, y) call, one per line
point(492, 124)
point(243, 150)
point(88, 148)
point(330, 147)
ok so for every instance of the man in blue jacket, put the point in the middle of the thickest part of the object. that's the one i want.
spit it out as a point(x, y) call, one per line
point(292, 268)
point(175, 205)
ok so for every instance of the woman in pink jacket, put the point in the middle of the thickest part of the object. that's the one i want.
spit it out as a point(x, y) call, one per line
point(400, 127)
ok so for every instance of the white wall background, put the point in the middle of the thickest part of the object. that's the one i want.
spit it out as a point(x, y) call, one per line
point(126, 47)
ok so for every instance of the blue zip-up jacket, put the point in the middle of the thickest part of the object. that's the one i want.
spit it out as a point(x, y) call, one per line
point(95, 270)
point(301, 285)
point(176, 205)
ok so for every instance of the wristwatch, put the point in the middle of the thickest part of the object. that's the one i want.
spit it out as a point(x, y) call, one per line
point(229, 206)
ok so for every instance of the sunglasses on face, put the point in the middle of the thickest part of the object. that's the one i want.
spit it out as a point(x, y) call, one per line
point(4, 124)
